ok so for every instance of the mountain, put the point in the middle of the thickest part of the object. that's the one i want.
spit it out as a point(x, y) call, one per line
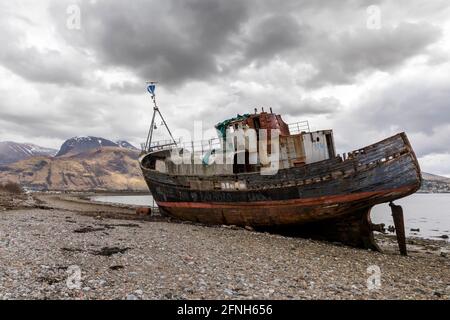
point(78, 145)
point(434, 184)
point(12, 151)
point(106, 168)
point(126, 145)
point(434, 177)
point(81, 164)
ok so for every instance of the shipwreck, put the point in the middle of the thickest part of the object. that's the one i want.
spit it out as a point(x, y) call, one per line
point(306, 189)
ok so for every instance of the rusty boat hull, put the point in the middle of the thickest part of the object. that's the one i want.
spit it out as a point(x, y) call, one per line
point(329, 199)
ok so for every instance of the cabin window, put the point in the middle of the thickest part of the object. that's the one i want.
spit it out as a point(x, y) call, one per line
point(256, 123)
point(317, 139)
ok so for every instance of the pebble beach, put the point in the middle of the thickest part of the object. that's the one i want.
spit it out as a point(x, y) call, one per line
point(57, 247)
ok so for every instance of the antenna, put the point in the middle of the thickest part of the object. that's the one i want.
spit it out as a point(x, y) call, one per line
point(151, 87)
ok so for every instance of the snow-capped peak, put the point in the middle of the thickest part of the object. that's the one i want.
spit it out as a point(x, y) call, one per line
point(12, 151)
point(82, 144)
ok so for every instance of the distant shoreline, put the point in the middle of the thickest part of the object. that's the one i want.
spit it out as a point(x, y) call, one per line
point(425, 192)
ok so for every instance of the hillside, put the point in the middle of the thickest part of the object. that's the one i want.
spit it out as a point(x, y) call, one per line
point(11, 152)
point(434, 184)
point(107, 168)
point(433, 177)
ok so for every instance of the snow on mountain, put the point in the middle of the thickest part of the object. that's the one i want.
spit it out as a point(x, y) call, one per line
point(126, 145)
point(82, 144)
point(434, 177)
point(12, 151)
point(103, 169)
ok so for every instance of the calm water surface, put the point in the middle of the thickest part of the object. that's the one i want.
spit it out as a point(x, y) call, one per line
point(141, 200)
point(428, 212)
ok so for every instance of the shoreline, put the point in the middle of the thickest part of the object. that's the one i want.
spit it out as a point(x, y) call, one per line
point(125, 256)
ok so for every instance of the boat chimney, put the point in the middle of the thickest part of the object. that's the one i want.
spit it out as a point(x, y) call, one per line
point(256, 110)
point(262, 108)
point(271, 110)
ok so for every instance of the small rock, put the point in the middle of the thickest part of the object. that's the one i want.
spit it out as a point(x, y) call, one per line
point(421, 291)
point(229, 292)
point(139, 292)
point(116, 267)
point(132, 297)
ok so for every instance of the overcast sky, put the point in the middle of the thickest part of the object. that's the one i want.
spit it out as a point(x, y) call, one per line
point(367, 69)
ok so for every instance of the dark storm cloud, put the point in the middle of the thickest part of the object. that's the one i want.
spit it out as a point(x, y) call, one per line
point(339, 58)
point(273, 36)
point(176, 41)
point(418, 105)
point(308, 106)
point(62, 119)
point(171, 41)
point(48, 66)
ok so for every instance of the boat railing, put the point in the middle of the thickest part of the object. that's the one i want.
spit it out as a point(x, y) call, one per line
point(299, 127)
point(161, 145)
point(203, 146)
point(199, 147)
